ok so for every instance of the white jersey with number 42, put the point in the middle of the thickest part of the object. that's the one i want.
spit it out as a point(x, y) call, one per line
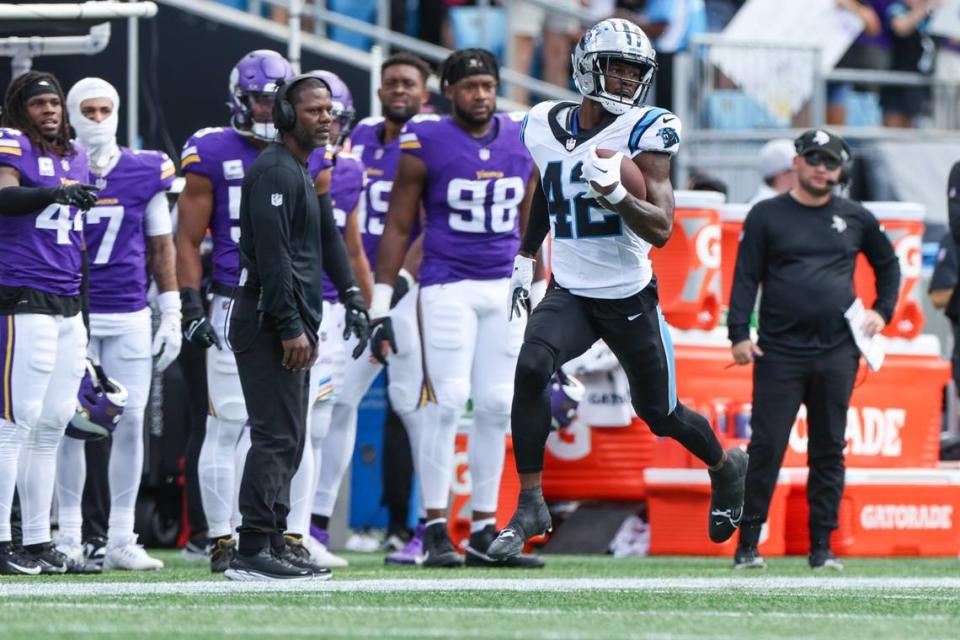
point(594, 254)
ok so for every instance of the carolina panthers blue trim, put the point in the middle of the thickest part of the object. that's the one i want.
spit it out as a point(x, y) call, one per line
point(523, 128)
point(643, 124)
point(668, 351)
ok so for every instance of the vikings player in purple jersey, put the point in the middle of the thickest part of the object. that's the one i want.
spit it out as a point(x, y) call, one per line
point(128, 230)
point(326, 375)
point(375, 141)
point(471, 172)
point(214, 161)
point(43, 341)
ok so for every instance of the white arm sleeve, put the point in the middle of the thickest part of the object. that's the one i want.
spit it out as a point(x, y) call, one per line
point(156, 219)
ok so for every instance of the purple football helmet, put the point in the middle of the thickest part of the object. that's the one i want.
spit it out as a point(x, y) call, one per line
point(101, 402)
point(566, 392)
point(343, 111)
point(255, 77)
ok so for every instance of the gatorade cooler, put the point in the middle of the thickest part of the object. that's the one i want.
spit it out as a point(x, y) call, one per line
point(597, 463)
point(678, 502)
point(688, 266)
point(903, 222)
point(731, 224)
point(460, 509)
point(884, 512)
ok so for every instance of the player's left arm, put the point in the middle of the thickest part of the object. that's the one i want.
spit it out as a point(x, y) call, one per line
point(651, 219)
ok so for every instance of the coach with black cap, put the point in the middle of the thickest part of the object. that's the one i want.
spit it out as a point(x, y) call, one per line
point(801, 248)
point(288, 237)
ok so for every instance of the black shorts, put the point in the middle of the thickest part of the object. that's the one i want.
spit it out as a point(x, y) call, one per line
point(634, 329)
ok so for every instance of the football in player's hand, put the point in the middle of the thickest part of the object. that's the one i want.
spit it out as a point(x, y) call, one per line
point(630, 175)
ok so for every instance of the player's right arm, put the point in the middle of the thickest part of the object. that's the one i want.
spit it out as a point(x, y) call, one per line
point(525, 267)
point(195, 208)
point(20, 201)
point(401, 215)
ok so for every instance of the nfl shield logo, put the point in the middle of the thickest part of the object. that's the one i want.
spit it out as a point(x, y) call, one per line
point(101, 183)
point(484, 154)
point(65, 164)
point(378, 154)
point(570, 144)
point(276, 199)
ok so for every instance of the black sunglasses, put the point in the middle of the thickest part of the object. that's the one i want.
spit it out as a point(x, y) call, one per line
point(814, 159)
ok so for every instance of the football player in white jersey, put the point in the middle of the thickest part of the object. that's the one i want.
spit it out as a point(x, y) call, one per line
point(603, 286)
point(129, 229)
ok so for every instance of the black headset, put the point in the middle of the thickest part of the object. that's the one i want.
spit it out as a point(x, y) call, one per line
point(284, 113)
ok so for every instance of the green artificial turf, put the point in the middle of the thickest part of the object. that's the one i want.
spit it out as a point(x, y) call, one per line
point(574, 597)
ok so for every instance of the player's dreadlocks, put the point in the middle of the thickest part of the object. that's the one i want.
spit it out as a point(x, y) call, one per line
point(468, 62)
point(15, 115)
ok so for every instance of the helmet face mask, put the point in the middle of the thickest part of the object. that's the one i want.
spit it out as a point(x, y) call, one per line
point(605, 45)
point(255, 79)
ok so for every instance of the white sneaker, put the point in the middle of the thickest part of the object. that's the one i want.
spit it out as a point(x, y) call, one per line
point(363, 541)
point(321, 556)
point(129, 556)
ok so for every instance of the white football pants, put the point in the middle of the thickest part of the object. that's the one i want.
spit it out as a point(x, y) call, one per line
point(406, 384)
point(471, 350)
point(219, 466)
point(121, 344)
point(42, 361)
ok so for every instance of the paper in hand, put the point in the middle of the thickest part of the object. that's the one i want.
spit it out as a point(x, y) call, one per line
point(870, 346)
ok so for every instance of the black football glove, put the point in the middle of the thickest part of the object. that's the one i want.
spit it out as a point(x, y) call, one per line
point(381, 331)
point(196, 327)
point(81, 196)
point(356, 321)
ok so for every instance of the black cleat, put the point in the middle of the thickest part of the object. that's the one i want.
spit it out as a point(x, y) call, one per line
point(296, 554)
point(748, 558)
point(477, 556)
point(47, 557)
point(266, 565)
point(532, 518)
point(224, 549)
point(823, 558)
point(438, 550)
point(15, 562)
point(726, 495)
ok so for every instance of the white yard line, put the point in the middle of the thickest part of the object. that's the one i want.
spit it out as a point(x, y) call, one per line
point(71, 588)
point(454, 610)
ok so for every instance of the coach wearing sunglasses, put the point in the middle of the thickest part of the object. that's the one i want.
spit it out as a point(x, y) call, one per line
point(800, 248)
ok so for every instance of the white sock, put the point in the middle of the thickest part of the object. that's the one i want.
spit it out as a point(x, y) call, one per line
point(125, 471)
point(12, 437)
point(485, 455)
point(71, 476)
point(216, 471)
point(480, 525)
point(36, 476)
point(436, 458)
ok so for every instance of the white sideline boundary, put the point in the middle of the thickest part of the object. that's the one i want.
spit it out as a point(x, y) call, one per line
point(74, 589)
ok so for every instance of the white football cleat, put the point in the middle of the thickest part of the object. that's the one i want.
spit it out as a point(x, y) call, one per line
point(129, 556)
point(72, 549)
point(321, 556)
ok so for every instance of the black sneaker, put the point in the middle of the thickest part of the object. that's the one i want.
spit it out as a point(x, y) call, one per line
point(823, 558)
point(47, 557)
point(224, 548)
point(15, 562)
point(477, 556)
point(532, 518)
point(264, 566)
point(748, 558)
point(94, 550)
point(299, 556)
point(726, 495)
point(438, 550)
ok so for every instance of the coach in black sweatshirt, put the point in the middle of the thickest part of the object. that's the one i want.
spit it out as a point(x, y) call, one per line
point(801, 248)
